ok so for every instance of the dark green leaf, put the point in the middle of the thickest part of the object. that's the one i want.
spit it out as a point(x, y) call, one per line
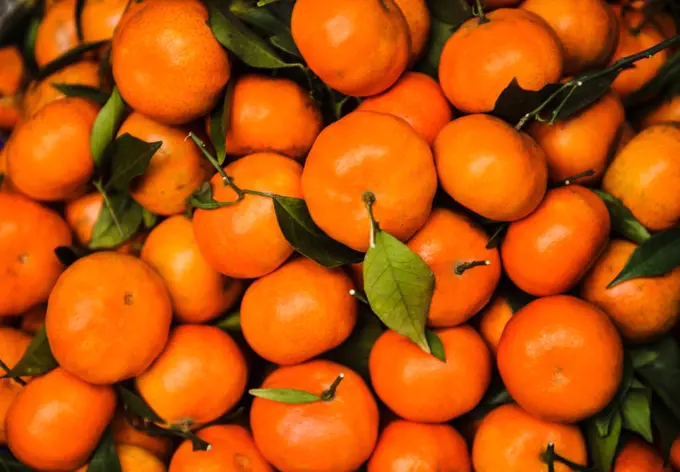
point(130, 158)
point(285, 395)
point(623, 221)
point(603, 448)
point(69, 57)
point(136, 404)
point(197, 444)
point(515, 102)
point(105, 458)
point(67, 255)
point(106, 125)
point(436, 346)
point(83, 91)
point(663, 373)
point(440, 32)
point(37, 358)
point(116, 223)
point(219, 122)
point(583, 96)
point(658, 255)
point(79, 12)
point(231, 323)
point(202, 198)
point(29, 42)
point(399, 287)
point(261, 18)
point(355, 351)
point(453, 12)
point(149, 219)
point(306, 238)
point(636, 412)
point(666, 426)
point(10, 464)
point(668, 75)
point(284, 42)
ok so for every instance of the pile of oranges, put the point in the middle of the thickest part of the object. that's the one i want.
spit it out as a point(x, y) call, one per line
point(331, 236)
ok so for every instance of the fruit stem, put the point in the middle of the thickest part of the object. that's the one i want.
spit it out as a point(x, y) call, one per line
point(463, 266)
point(100, 188)
point(574, 178)
point(7, 370)
point(359, 296)
point(329, 394)
point(369, 200)
point(478, 11)
point(550, 457)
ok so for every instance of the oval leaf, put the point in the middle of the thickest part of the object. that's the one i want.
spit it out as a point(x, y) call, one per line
point(623, 221)
point(105, 458)
point(130, 158)
point(69, 57)
point(636, 412)
point(83, 91)
point(436, 346)
point(399, 287)
point(37, 358)
point(603, 448)
point(137, 405)
point(106, 125)
point(285, 395)
point(662, 374)
point(219, 122)
point(116, 223)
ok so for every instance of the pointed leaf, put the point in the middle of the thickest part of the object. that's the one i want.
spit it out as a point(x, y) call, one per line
point(436, 346)
point(290, 396)
point(105, 458)
point(130, 158)
point(219, 122)
point(83, 91)
point(231, 323)
point(584, 95)
point(623, 221)
point(137, 405)
point(106, 125)
point(203, 198)
point(69, 57)
point(663, 373)
point(106, 234)
point(37, 358)
point(603, 448)
point(636, 412)
point(515, 102)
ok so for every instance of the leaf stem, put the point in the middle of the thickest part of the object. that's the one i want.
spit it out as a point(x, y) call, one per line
point(464, 266)
point(225, 178)
point(574, 178)
point(478, 11)
point(369, 201)
point(329, 394)
point(100, 188)
point(7, 370)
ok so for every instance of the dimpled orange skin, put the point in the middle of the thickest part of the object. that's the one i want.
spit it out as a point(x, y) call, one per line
point(135, 459)
point(404, 446)
point(232, 450)
point(34, 319)
point(561, 359)
point(491, 168)
point(666, 111)
point(57, 32)
point(125, 433)
point(492, 321)
point(56, 421)
point(417, 99)
point(272, 114)
point(418, 20)
point(82, 214)
point(29, 233)
point(174, 172)
point(13, 343)
point(297, 312)
point(350, 157)
point(330, 34)
point(584, 142)
point(645, 174)
point(480, 60)
point(108, 317)
point(99, 18)
point(638, 456)
point(328, 436)
point(36, 161)
point(198, 292)
point(456, 298)
point(549, 251)
point(199, 376)
point(244, 240)
point(12, 70)
point(642, 308)
point(511, 440)
point(419, 387)
point(166, 62)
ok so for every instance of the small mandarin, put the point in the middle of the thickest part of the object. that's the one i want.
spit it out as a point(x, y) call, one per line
point(636, 455)
point(82, 213)
point(99, 18)
point(493, 320)
point(57, 32)
point(418, 21)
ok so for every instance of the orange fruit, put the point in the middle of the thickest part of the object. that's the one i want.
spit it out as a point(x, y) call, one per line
point(642, 308)
point(636, 456)
point(419, 387)
point(297, 312)
point(12, 70)
point(549, 251)
point(645, 174)
point(244, 239)
point(491, 168)
point(135, 459)
point(329, 35)
point(82, 213)
point(511, 440)
point(587, 30)
point(99, 18)
point(232, 450)
point(123, 317)
point(29, 234)
point(126, 434)
point(56, 421)
point(338, 434)
point(350, 157)
point(404, 446)
point(417, 99)
point(481, 59)
point(493, 320)
point(667, 110)
point(561, 359)
point(584, 142)
point(33, 319)
point(418, 20)
point(456, 298)
point(57, 32)
point(167, 63)
point(206, 390)
point(198, 292)
point(174, 172)
point(36, 161)
point(272, 115)
point(13, 343)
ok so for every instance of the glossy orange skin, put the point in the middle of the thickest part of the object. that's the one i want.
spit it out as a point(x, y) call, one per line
point(457, 298)
point(493, 320)
point(166, 62)
point(587, 29)
point(351, 157)
point(29, 233)
point(511, 440)
point(175, 171)
point(12, 66)
point(549, 251)
point(123, 312)
point(418, 20)
point(417, 99)
point(125, 434)
point(584, 142)
point(330, 34)
point(297, 312)
point(638, 456)
point(561, 359)
point(57, 32)
point(199, 376)
point(198, 292)
point(491, 168)
point(326, 436)
point(99, 18)
point(244, 240)
point(272, 115)
point(36, 161)
point(56, 421)
point(135, 459)
point(668, 110)
point(33, 319)
point(13, 343)
point(82, 214)
point(643, 308)
point(480, 60)
point(404, 446)
point(645, 176)
point(233, 450)
point(419, 387)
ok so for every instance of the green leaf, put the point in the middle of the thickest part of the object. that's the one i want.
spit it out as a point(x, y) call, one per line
point(623, 221)
point(219, 122)
point(230, 323)
point(290, 396)
point(284, 41)
point(261, 18)
point(69, 57)
point(37, 358)
point(29, 42)
point(663, 373)
point(636, 412)
point(106, 125)
point(354, 352)
point(302, 233)
point(603, 448)
point(584, 95)
point(666, 426)
point(105, 458)
point(440, 32)
point(83, 91)
point(399, 287)
point(136, 404)
point(149, 219)
point(116, 223)
point(603, 419)
point(130, 158)
point(203, 198)
point(658, 255)
point(668, 75)
point(515, 102)
point(436, 346)
point(453, 12)
point(10, 464)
